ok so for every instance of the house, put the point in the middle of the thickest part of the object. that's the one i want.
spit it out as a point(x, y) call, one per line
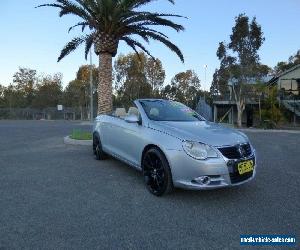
point(225, 107)
point(288, 85)
point(225, 111)
point(288, 82)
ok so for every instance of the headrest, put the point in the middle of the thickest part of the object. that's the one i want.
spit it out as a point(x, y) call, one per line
point(154, 112)
point(120, 112)
point(133, 111)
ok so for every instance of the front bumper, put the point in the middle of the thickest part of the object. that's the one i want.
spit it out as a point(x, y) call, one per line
point(221, 171)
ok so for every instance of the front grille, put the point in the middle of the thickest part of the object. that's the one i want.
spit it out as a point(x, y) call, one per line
point(246, 150)
point(236, 152)
point(230, 152)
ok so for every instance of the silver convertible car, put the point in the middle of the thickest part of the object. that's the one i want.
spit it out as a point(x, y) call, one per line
point(174, 146)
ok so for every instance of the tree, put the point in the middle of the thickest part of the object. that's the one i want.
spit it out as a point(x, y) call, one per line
point(2, 88)
point(185, 88)
point(76, 94)
point(137, 76)
point(49, 92)
point(155, 75)
point(219, 86)
point(283, 66)
point(240, 65)
point(25, 80)
point(110, 22)
point(221, 76)
point(83, 74)
point(13, 98)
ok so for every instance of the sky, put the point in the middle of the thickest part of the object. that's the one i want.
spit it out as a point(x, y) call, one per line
point(33, 37)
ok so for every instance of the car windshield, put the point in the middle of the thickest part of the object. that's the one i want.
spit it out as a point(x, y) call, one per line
point(163, 110)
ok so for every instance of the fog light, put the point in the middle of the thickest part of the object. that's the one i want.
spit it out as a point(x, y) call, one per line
point(203, 180)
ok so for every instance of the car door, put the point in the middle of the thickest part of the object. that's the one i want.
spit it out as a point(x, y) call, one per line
point(107, 133)
point(128, 141)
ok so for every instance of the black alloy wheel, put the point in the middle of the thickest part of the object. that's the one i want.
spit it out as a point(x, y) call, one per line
point(97, 149)
point(157, 173)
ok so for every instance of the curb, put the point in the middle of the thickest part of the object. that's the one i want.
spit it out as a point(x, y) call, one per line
point(86, 123)
point(69, 141)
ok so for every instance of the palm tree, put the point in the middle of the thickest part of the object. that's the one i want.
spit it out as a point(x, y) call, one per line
point(109, 22)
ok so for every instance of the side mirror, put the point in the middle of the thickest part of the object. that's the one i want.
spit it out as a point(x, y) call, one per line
point(132, 119)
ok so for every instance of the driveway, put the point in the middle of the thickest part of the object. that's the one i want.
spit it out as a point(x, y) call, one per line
point(56, 196)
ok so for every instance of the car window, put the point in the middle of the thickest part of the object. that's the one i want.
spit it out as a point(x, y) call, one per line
point(163, 110)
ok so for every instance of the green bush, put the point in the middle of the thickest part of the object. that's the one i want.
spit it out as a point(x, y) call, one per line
point(268, 124)
point(271, 113)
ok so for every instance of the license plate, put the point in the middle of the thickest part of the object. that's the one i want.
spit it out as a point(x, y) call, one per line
point(245, 167)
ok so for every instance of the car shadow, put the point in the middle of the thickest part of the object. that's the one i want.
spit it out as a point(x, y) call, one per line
point(228, 193)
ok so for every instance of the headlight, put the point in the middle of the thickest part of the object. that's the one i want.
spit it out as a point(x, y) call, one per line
point(198, 150)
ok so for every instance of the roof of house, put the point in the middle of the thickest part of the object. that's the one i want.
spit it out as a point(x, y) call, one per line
point(275, 78)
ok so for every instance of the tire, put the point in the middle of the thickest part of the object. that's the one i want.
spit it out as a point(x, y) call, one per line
point(157, 173)
point(97, 149)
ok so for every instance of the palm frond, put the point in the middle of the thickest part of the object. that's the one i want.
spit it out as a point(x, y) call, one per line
point(82, 24)
point(70, 47)
point(133, 44)
point(166, 42)
point(140, 3)
point(88, 44)
point(89, 6)
point(49, 5)
point(146, 18)
point(132, 4)
point(156, 20)
point(152, 30)
point(72, 8)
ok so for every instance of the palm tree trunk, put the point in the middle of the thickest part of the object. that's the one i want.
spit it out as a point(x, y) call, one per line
point(105, 84)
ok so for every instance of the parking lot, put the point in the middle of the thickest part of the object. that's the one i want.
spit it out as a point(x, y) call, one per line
point(57, 196)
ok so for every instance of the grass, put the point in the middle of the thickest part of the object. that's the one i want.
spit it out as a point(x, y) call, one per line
point(78, 134)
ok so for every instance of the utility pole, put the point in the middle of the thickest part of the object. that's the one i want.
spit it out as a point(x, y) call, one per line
point(91, 87)
point(259, 106)
point(292, 89)
point(10, 113)
point(294, 110)
point(205, 69)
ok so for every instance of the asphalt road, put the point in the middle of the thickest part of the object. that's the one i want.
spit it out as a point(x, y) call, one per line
point(54, 196)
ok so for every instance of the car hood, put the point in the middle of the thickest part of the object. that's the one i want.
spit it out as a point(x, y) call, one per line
point(201, 131)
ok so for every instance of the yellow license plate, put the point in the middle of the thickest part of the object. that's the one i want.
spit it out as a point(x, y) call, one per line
point(245, 167)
